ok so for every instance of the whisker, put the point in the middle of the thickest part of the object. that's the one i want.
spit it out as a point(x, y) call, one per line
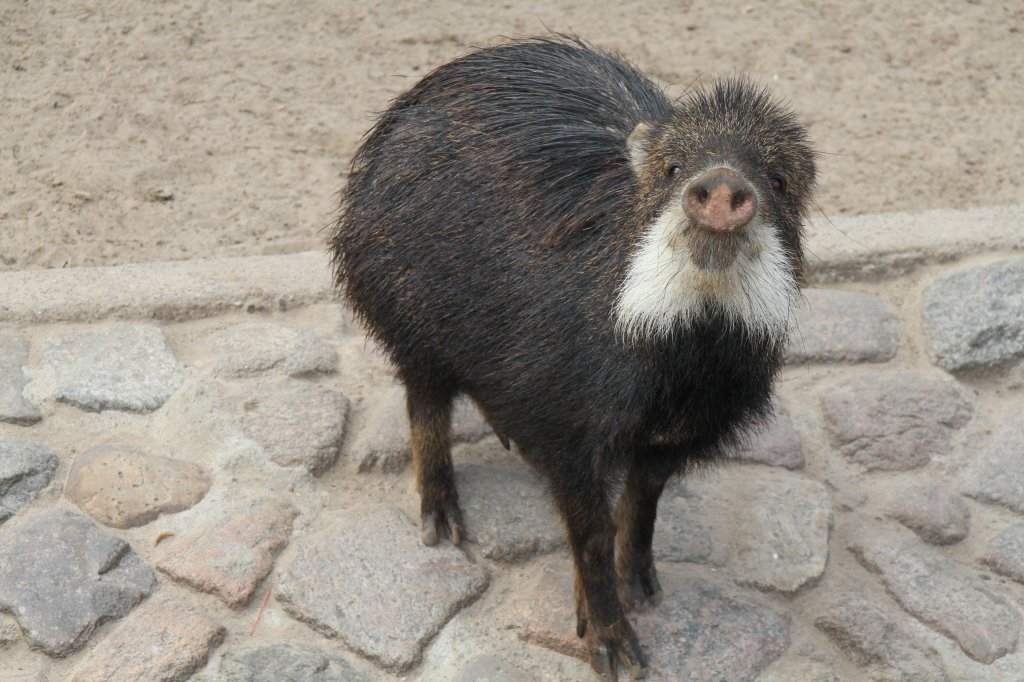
point(829, 221)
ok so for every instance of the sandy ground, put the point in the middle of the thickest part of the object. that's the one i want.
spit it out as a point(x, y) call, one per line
point(135, 131)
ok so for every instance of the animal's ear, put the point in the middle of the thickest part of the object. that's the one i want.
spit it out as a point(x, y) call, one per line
point(636, 145)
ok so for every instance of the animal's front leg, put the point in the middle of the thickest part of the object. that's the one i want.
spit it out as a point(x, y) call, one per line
point(635, 515)
point(600, 616)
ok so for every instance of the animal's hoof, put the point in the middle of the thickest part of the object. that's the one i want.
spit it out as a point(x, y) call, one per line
point(443, 521)
point(616, 649)
point(641, 590)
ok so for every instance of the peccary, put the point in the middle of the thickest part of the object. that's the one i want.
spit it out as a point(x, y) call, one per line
point(610, 276)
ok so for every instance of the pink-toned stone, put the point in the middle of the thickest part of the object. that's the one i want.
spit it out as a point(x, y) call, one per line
point(892, 421)
point(231, 556)
point(942, 594)
point(546, 610)
point(124, 487)
point(875, 640)
point(938, 516)
point(163, 641)
point(843, 326)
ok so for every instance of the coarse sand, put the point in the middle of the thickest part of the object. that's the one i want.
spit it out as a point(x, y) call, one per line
point(139, 131)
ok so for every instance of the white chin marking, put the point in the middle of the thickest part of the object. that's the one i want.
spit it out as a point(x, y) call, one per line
point(664, 291)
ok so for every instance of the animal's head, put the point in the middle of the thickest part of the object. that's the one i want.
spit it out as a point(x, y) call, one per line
point(729, 179)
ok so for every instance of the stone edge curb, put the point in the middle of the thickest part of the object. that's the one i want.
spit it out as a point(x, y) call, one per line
point(891, 244)
point(168, 291)
point(860, 247)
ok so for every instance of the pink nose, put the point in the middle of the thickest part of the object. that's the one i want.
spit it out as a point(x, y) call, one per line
point(720, 200)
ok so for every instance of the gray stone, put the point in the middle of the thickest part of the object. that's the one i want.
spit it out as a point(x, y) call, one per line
point(123, 367)
point(9, 630)
point(230, 556)
point(283, 663)
point(769, 527)
point(26, 468)
point(938, 516)
point(843, 326)
point(14, 409)
point(124, 487)
point(1005, 553)
point(163, 641)
point(781, 532)
point(368, 580)
point(683, 530)
point(697, 632)
point(491, 669)
point(894, 421)
point(776, 444)
point(997, 475)
point(875, 641)
point(468, 425)
point(466, 652)
point(383, 441)
point(488, 451)
point(296, 424)
point(941, 594)
point(976, 318)
point(507, 511)
point(60, 575)
point(254, 348)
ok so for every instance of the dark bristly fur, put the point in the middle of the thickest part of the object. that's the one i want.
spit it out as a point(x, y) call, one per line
point(485, 232)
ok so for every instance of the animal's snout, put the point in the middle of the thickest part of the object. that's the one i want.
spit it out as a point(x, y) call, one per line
point(720, 200)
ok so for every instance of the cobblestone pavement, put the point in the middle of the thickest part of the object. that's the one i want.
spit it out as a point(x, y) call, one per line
point(204, 473)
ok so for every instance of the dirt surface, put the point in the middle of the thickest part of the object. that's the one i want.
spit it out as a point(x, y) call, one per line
point(137, 131)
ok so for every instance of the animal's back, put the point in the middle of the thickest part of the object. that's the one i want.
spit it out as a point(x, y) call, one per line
point(471, 180)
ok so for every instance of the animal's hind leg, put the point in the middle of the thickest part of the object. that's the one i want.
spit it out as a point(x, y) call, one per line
point(635, 515)
point(430, 420)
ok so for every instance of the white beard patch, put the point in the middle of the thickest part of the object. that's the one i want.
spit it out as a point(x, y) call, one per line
point(665, 291)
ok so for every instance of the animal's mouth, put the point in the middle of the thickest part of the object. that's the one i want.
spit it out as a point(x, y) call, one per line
point(712, 251)
point(715, 250)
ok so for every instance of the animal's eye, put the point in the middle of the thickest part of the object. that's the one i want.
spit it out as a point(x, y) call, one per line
point(777, 184)
point(673, 171)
